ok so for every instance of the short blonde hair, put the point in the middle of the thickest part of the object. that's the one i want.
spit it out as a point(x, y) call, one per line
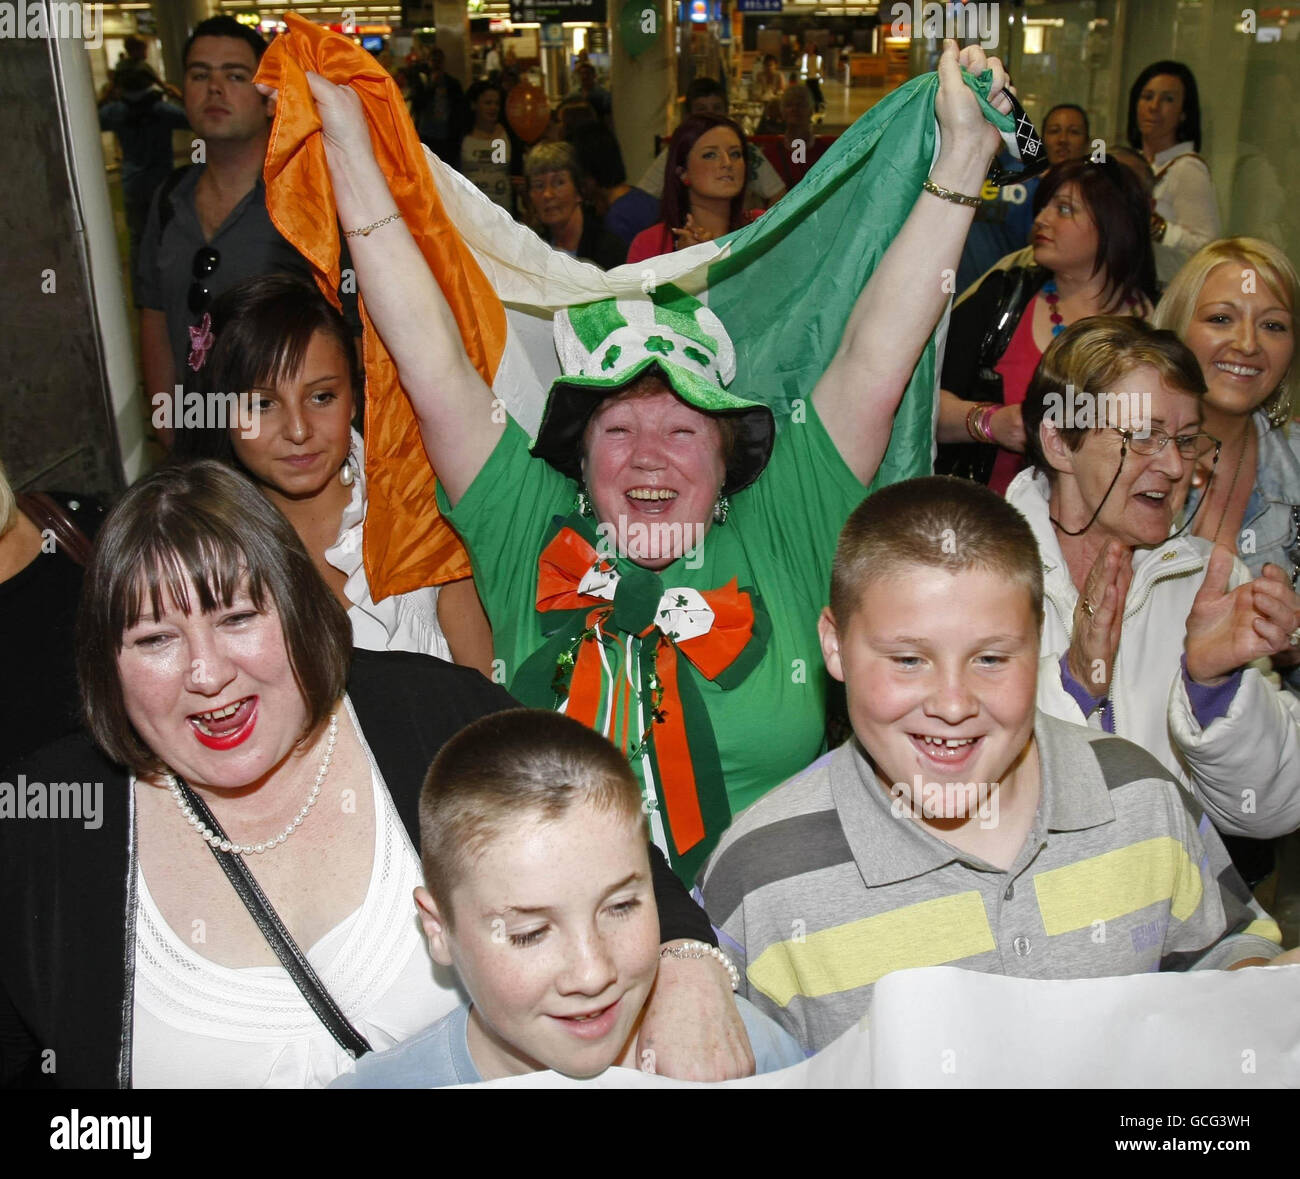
point(1178, 304)
point(8, 504)
point(1092, 355)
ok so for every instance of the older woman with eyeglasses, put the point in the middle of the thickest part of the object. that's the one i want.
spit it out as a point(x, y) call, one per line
point(1150, 632)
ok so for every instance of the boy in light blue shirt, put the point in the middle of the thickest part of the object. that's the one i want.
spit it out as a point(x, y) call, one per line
point(539, 893)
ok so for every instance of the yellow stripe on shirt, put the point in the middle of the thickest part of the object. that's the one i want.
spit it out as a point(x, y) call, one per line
point(1265, 928)
point(856, 954)
point(1120, 882)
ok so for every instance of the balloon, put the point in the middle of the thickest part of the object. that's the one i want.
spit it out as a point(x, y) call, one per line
point(528, 112)
point(638, 26)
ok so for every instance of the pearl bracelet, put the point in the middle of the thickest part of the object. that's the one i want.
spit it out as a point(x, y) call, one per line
point(704, 950)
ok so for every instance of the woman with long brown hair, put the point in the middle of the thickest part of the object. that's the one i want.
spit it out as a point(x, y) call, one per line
point(704, 187)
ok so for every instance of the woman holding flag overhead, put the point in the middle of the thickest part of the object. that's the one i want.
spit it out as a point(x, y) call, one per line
point(656, 563)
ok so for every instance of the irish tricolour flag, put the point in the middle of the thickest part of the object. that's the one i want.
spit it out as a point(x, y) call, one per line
point(783, 286)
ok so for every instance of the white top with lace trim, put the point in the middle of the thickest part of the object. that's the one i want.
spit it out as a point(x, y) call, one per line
point(202, 1025)
point(402, 622)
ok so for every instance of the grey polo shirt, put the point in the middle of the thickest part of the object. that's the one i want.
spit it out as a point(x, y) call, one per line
point(822, 887)
point(249, 245)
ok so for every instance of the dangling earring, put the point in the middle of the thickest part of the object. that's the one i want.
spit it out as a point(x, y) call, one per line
point(582, 503)
point(720, 510)
point(348, 471)
point(1277, 406)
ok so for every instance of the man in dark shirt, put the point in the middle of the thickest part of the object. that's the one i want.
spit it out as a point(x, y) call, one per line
point(208, 227)
point(143, 120)
point(596, 96)
point(439, 109)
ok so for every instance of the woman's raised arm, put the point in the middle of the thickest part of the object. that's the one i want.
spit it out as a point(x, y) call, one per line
point(452, 402)
point(897, 310)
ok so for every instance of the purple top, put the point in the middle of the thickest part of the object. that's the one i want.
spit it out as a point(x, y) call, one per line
point(1208, 704)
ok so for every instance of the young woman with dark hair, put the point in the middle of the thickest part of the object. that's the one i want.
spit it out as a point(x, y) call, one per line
point(1091, 255)
point(1164, 121)
point(1065, 133)
point(282, 389)
point(704, 187)
point(488, 155)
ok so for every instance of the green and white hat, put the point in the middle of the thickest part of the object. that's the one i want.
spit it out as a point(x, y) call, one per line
point(605, 346)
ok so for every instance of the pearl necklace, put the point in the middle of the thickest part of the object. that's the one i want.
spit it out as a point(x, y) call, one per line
point(245, 849)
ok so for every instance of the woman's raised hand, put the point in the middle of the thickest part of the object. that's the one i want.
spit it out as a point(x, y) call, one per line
point(962, 125)
point(343, 122)
point(1229, 628)
point(1099, 618)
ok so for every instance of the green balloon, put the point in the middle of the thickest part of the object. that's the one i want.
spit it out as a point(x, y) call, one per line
point(638, 24)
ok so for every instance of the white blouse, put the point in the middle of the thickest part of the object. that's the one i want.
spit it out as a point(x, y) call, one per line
point(1184, 194)
point(200, 1025)
point(402, 622)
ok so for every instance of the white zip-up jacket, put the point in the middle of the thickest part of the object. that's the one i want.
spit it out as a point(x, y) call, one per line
point(1245, 767)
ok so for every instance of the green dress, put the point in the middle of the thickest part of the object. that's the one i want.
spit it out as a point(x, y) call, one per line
point(779, 539)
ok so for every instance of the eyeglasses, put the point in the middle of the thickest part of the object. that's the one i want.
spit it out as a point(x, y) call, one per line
point(206, 261)
point(1033, 155)
point(1190, 446)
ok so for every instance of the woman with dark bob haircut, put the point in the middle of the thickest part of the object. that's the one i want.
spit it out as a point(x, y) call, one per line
point(1090, 255)
point(234, 731)
point(1151, 629)
point(1164, 123)
point(282, 388)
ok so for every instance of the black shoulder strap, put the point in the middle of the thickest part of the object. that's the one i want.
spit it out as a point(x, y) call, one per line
point(278, 937)
point(1018, 287)
point(165, 210)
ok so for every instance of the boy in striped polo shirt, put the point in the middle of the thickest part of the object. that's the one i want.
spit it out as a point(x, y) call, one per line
point(960, 826)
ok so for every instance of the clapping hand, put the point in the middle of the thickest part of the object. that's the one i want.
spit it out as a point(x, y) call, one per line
point(690, 234)
point(1099, 618)
point(1228, 628)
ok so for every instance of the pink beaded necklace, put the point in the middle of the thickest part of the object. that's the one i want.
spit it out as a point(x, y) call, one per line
point(1053, 297)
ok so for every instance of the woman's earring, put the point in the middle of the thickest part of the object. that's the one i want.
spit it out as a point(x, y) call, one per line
point(582, 503)
point(720, 510)
point(348, 471)
point(1278, 407)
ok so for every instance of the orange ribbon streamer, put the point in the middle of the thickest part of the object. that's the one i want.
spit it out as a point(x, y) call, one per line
point(563, 564)
point(407, 544)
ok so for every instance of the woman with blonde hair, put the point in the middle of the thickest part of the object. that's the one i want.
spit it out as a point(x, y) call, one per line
point(1233, 304)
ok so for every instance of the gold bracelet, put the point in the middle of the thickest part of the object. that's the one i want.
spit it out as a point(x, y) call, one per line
point(365, 230)
point(948, 194)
